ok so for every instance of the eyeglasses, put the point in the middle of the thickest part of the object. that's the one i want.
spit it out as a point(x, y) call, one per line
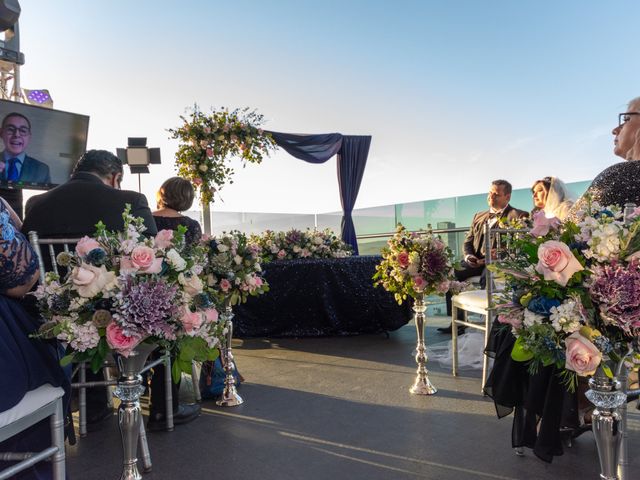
point(22, 131)
point(625, 117)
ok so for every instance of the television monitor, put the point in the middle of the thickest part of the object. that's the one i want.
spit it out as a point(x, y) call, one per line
point(55, 141)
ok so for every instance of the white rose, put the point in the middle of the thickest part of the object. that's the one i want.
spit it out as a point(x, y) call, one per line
point(175, 260)
point(192, 285)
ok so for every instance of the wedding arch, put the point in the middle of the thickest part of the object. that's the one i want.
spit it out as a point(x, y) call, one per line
point(352, 152)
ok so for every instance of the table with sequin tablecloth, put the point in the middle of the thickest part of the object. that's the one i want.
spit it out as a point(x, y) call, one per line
point(320, 297)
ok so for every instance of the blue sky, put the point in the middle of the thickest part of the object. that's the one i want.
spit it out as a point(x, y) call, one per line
point(454, 93)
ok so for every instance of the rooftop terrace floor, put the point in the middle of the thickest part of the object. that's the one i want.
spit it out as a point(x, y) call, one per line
point(339, 408)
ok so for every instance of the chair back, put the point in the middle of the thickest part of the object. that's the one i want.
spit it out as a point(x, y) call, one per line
point(53, 247)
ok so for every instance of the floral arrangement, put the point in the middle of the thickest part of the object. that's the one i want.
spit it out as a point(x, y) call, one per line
point(572, 295)
point(233, 271)
point(208, 141)
point(298, 244)
point(123, 288)
point(416, 263)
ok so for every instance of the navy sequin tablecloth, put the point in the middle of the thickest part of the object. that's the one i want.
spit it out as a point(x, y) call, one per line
point(320, 297)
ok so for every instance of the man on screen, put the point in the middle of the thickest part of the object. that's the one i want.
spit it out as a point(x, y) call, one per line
point(18, 166)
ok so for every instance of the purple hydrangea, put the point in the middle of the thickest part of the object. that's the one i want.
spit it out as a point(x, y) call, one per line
point(616, 290)
point(145, 308)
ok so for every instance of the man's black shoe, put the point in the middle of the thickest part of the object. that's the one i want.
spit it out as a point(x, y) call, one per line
point(461, 330)
point(95, 420)
point(186, 413)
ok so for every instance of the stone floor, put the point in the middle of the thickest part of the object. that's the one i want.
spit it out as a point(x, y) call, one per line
point(339, 408)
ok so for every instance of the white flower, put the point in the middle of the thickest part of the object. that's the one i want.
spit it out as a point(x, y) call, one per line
point(175, 260)
point(566, 317)
point(222, 247)
point(531, 318)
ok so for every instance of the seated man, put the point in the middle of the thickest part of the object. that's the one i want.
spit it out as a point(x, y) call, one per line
point(72, 210)
point(473, 249)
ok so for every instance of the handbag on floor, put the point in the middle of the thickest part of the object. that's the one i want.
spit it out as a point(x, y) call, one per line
point(212, 379)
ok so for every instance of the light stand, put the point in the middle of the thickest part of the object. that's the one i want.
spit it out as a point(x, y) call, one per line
point(138, 156)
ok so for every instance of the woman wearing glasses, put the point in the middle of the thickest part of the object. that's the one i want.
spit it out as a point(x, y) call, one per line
point(619, 183)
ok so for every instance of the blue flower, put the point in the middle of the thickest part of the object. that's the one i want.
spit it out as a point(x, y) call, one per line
point(604, 213)
point(96, 257)
point(542, 305)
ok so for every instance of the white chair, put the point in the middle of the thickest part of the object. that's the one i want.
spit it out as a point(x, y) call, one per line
point(479, 301)
point(45, 401)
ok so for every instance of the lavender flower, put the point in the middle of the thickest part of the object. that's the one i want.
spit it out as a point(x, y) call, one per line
point(145, 308)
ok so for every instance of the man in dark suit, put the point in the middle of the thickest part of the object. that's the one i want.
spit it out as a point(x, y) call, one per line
point(72, 210)
point(473, 262)
point(18, 166)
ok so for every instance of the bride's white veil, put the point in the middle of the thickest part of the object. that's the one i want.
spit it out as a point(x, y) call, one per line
point(558, 200)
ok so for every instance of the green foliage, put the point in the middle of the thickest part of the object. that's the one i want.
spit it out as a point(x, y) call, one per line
point(208, 142)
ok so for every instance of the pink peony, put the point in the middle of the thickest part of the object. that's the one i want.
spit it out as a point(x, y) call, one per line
point(419, 283)
point(542, 225)
point(191, 320)
point(225, 285)
point(403, 259)
point(583, 357)
point(89, 280)
point(119, 341)
point(556, 262)
point(85, 245)
point(163, 238)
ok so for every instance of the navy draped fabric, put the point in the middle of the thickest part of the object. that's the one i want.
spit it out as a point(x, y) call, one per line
point(352, 151)
point(310, 148)
point(352, 159)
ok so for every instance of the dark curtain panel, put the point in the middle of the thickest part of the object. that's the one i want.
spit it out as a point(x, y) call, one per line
point(310, 148)
point(352, 159)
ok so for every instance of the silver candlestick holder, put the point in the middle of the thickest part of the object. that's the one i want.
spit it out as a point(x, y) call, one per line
point(230, 396)
point(422, 384)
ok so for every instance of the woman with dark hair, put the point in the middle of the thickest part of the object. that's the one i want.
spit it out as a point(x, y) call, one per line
point(551, 195)
point(25, 363)
point(175, 196)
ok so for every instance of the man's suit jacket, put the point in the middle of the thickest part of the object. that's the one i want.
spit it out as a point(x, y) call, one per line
point(474, 241)
point(33, 171)
point(72, 210)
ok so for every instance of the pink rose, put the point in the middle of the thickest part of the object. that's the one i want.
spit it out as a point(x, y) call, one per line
point(443, 286)
point(163, 238)
point(191, 320)
point(143, 259)
point(211, 315)
point(403, 259)
point(281, 254)
point(258, 281)
point(209, 152)
point(225, 285)
point(556, 262)
point(197, 181)
point(583, 357)
point(419, 283)
point(119, 341)
point(85, 245)
point(542, 225)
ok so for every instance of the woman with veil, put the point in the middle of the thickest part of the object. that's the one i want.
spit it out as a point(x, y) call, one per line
point(550, 194)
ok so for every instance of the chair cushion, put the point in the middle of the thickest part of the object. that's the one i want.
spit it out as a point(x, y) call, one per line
point(32, 401)
point(473, 298)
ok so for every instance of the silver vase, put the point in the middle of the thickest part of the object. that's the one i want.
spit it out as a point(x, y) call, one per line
point(230, 396)
point(422, 384)
point(128, 390)
point(607, 396)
